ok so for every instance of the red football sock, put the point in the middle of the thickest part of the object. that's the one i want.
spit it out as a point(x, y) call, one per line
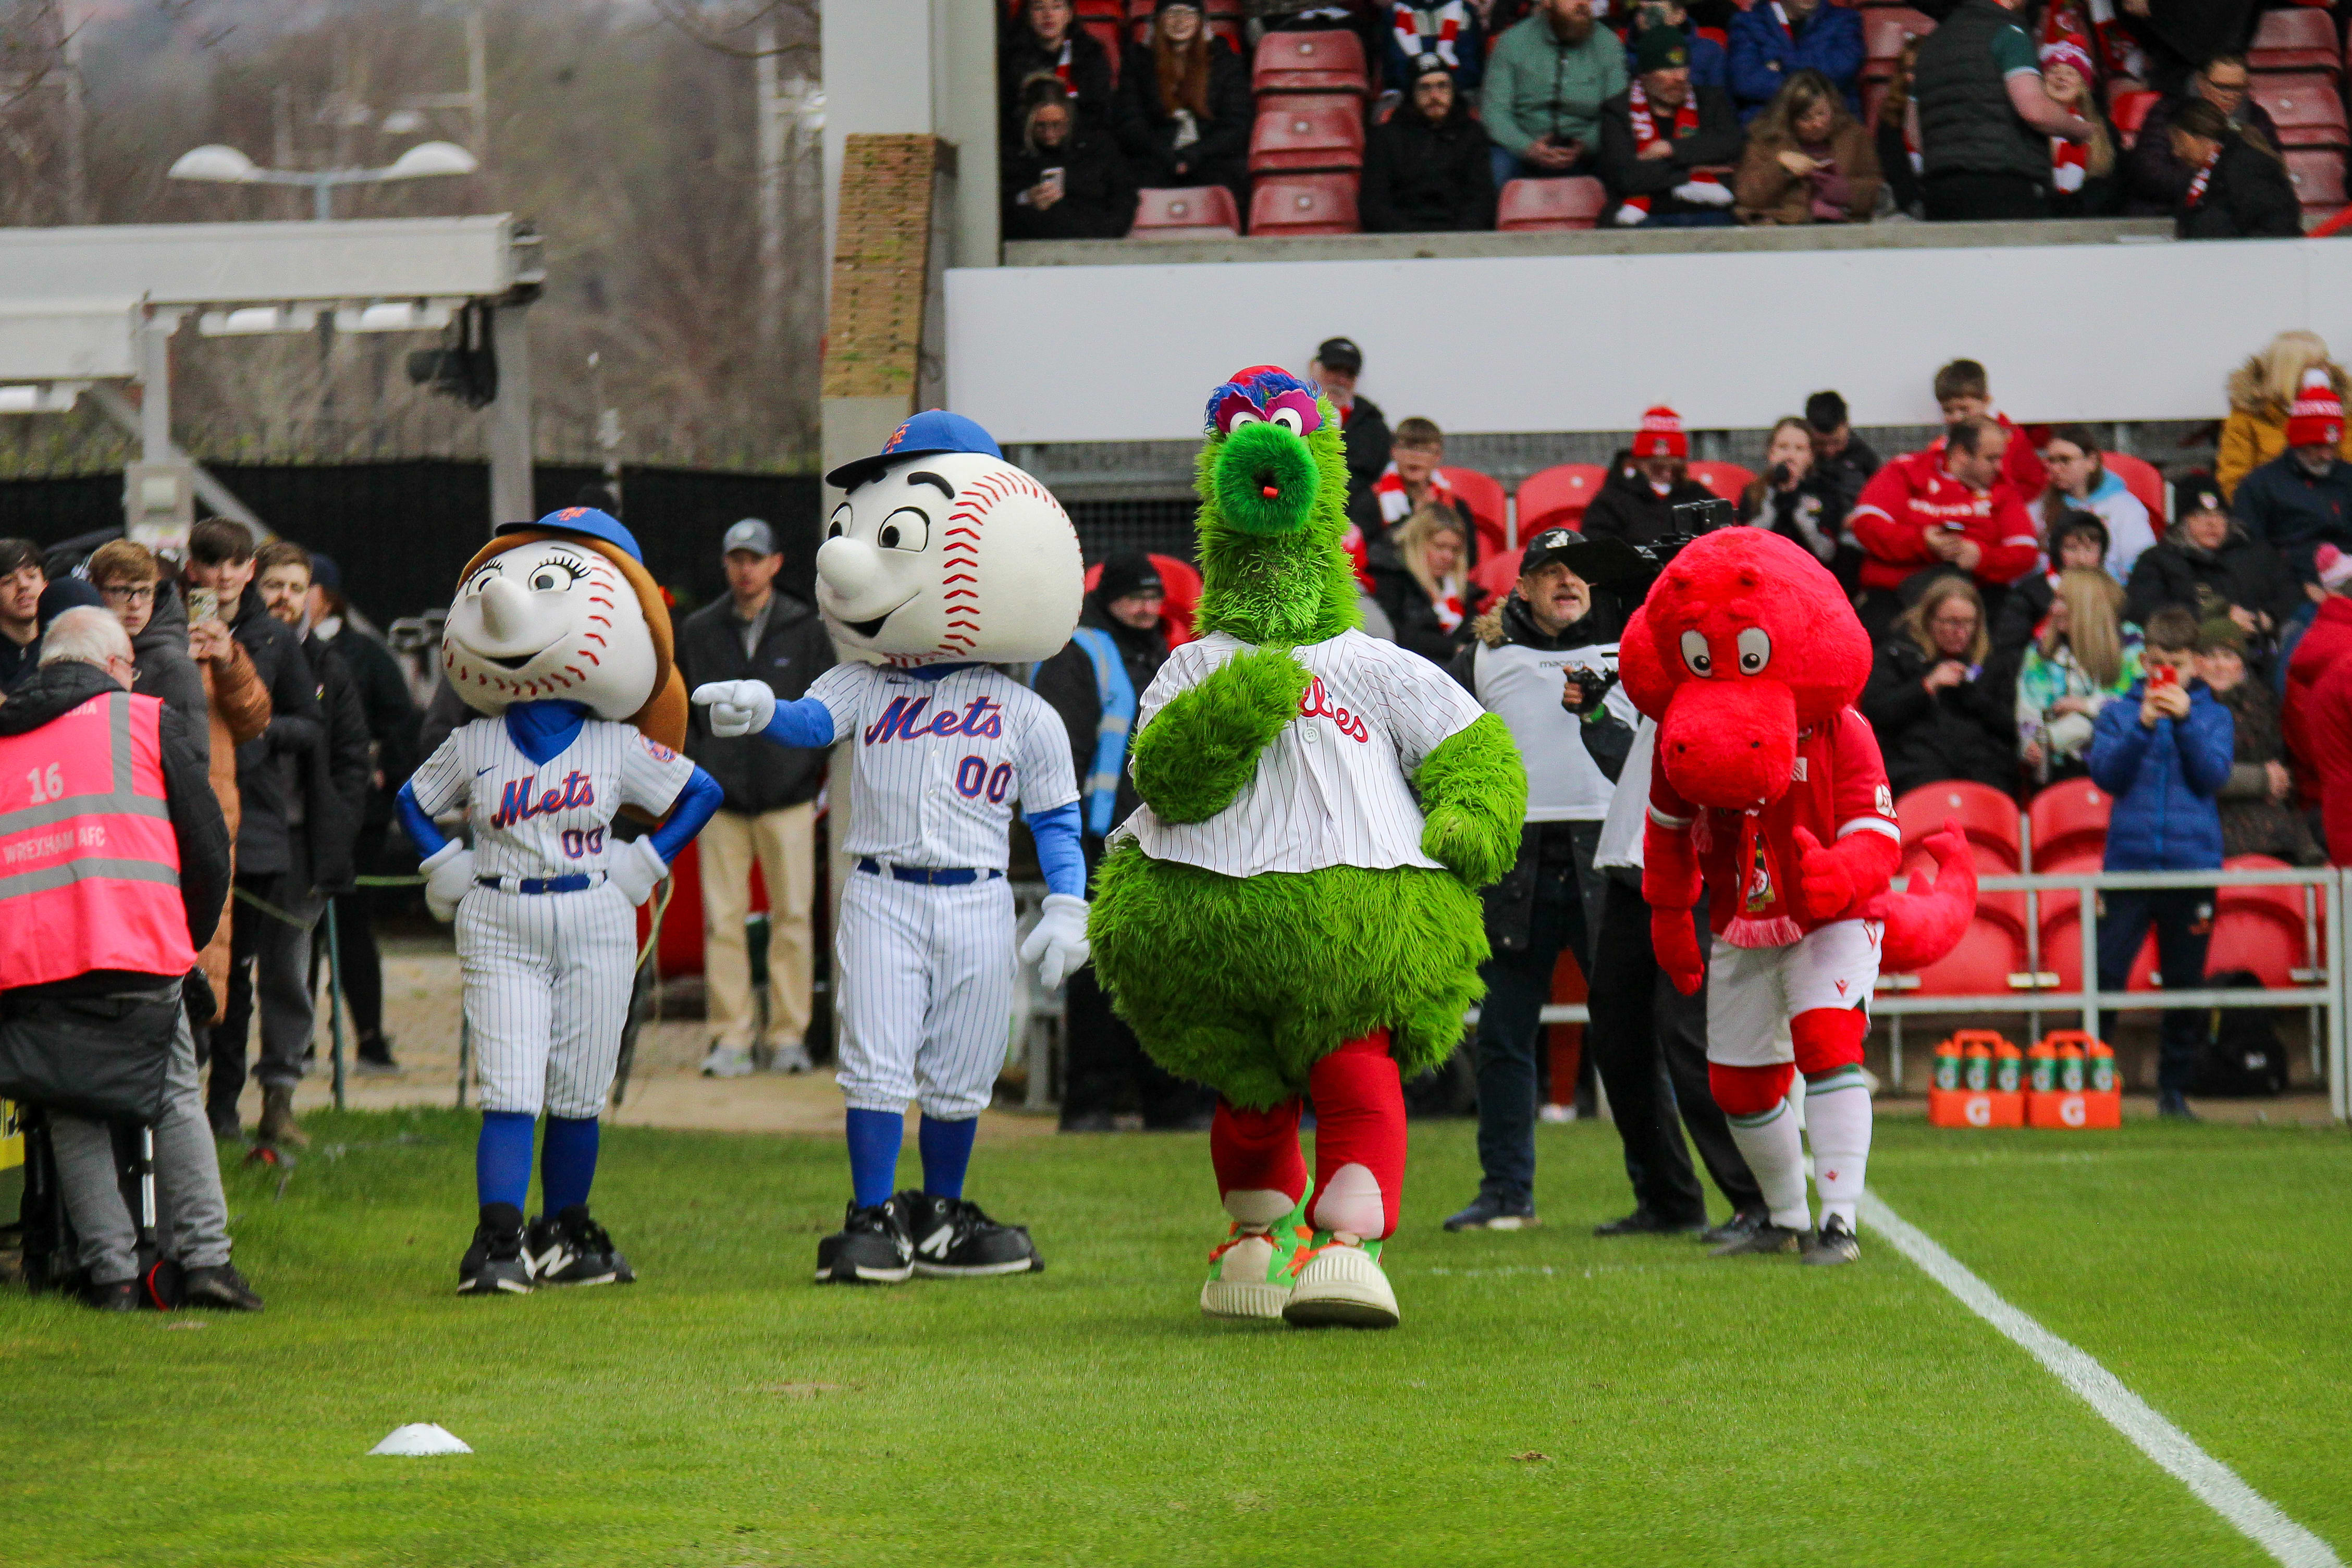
point(1359, 1138)
point(1827, 1039)
point(1261, 1176)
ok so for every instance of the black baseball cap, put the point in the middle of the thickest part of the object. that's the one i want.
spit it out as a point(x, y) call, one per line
point(2196, 493)
point(1339, 354)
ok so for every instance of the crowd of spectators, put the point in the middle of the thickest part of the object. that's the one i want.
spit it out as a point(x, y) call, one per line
point(1705, 114)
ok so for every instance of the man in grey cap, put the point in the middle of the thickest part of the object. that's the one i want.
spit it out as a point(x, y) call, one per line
point(757, 633)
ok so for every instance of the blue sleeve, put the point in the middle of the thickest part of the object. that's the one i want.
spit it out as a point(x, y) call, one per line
point(696, 804)
point(1058, 854)
point(2208, 744)
point(807, 722)
point(1710, 66)
point(1833, 42)
point(2118, 742)
point(1754, 80)
point(422, 831)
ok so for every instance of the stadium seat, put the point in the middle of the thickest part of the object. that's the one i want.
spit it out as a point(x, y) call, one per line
point(1194, 211)
point(2129, 112)
point(1528, 206)
point(1484, 497)
point(1106, 34)
point(2295, 40)
point(2306, 109)
point(1310, 62)
point(1182, 585)
point(1298, 133)
point(2318, 176)
point(1991, 951)
point(2069, 821)
point(1494, 574)
point(1729, 480)
point(2264, 929)
point(1301, 205)
point(1109, 10)
point(1556, 498)
point(1884, 30)
point(2061, 951)
point(2144, 480)
point(1988, 817)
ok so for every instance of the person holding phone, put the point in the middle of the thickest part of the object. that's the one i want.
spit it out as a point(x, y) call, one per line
point(1938, 712)
point(1063, 180)
point(1797, 499)
point(1547, 78)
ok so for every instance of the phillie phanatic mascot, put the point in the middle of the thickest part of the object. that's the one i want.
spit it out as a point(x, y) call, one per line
point(1769, 789)
point(941, 555)
point(1292, 909)
point(561, 640)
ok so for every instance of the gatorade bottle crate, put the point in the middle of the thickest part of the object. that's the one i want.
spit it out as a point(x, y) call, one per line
point(1978, 1081)
point(2072, 1083)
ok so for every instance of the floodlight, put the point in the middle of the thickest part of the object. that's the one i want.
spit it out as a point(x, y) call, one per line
point(428, 158)
point(213, 162)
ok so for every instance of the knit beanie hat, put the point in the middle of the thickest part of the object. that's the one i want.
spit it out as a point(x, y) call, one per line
point(2318, 417)
point(2334, 567)
point(2222, 632)
point(1129, 572)
point(2072, 49)
point(1661, 435)
point(1660, 49)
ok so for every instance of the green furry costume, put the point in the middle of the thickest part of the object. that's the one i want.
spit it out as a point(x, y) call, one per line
point(1244, 983)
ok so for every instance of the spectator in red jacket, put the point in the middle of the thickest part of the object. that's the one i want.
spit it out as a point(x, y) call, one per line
point(1963, 391)
point(2321, 648)
point(2326, 714)
point(1943, 510)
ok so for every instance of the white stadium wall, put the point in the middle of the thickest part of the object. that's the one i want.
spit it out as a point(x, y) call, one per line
point(1505, 344)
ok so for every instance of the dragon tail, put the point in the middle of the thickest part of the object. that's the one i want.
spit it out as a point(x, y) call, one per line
point(1927, 922)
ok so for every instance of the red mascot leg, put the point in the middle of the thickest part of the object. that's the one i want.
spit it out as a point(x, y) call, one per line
point(1359, 1138)
point(1261, 1176)
point(1828, 1039)
point(1748, 1091)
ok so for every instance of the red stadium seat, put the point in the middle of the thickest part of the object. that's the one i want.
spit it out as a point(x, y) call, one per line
point(1299, 133)
point(2306, 109)
point(2296, 40)
point(1991, 951)
point(1528, 206)
point(1485, 497)
point(1310, 62)
point(2266, 929)
point(1729, 480)
point(1106, 34)
point(2061, 951)
point(1304, 204)
point(1987, 815)
point(2318, 176)
point(1494, 574)
point(1195, 212)
point(2143, 479)
point(2069, 821)
point(1883, 31)
point(1182, 585)
point(1556, 498)
point(2129, 112)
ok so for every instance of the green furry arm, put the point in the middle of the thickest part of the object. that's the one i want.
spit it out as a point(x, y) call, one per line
point(1474, 796)
point(1202, 749)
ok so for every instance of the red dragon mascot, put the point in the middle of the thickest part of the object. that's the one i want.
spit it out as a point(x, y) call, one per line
point(1768, 791)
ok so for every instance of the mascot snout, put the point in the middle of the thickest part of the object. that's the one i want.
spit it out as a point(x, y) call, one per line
point(1730, 743)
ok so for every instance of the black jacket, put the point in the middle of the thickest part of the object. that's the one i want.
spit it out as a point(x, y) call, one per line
point(268, 766)
point(1019, 57)
point(1066, 681)
point(1965, 731)
point(391, 717)
point(196, 823)
point(1412, 615)
point(1098, 193)
point(2248, 197)
point(1843, 476)
point(1147, 132)
point(1628, 508)
point(165, 671)
point(2154, 179)
point(1424, 177)
point(757, 774)
point(1364, 433)
point(335, 777)
point(2244, 571)
point(1716, 141)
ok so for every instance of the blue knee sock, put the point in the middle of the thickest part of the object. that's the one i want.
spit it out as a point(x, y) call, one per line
point(502, 1158)
point(947, 1150)
point(873, 1140)
point(567, 1163)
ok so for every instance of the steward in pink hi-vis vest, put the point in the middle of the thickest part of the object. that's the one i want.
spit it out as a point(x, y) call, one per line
point(89, 870)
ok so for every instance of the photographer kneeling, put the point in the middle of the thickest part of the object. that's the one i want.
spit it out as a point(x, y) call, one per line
point(116, 869)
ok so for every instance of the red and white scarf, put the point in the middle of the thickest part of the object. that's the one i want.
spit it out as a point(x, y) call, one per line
point(1396, 505)
point(1062, 72)
point(2197, 185)
point(1781, 15)
point(1645, 131)
point(1430, 30)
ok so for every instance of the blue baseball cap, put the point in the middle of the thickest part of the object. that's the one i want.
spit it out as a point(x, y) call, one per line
point(588, 522)
point(933, 429)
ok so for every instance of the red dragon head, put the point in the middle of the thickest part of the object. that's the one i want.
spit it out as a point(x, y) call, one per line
point(1744, 641)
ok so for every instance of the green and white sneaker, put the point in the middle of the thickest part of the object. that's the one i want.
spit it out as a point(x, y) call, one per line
point(1340, 1285)
point(1249, 1274)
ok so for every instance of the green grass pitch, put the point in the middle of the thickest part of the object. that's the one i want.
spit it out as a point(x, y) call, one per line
point(1550, 1399)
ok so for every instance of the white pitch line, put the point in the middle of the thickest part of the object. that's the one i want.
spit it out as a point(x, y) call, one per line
point(2220, 1487)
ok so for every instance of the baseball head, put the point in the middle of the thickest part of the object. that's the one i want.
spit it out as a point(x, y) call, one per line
point(948, 557)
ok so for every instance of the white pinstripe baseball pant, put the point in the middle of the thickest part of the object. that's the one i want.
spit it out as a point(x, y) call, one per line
point(548, 977)
point(926, 993)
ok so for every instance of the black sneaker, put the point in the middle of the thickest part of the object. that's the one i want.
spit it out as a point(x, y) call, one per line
point(373, 1059)
point(573, 1249)
point(495, 1264)
point(1766, 1237)
point(1833, 1244)
point(871, 1247)
point(1491, 1211)
point(121, 1296)
point(953, 1240)
point(1733, 1228)
point(220, 1287)
point(1647, 1222)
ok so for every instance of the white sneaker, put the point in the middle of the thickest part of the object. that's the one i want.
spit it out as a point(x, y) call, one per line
point(1341, 1285)
point(726, 1062)
point(792, 1058)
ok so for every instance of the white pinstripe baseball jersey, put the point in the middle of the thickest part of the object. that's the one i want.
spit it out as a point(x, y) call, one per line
point(550, 819)
point(1332, 788)
point(941, 761)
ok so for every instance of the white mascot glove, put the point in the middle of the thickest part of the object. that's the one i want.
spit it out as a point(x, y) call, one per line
point(737, 708)
point(1057, 943)
point(1629, 214)
point(638, 869)
point(1704, 194)
point(448, 877)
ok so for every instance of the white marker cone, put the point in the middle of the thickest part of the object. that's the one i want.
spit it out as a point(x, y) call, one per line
point(417, 1439)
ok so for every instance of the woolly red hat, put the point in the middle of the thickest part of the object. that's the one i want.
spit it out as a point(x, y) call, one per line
point(2318, 417)
point(2072, 49)
point(1661, 435)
